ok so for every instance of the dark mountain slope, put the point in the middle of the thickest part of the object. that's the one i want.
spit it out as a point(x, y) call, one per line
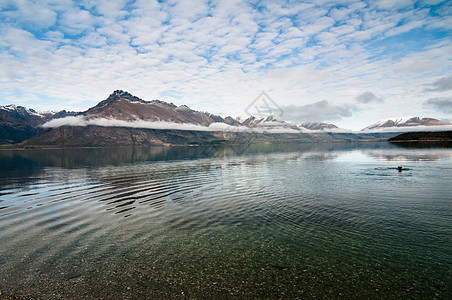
point(423, 136)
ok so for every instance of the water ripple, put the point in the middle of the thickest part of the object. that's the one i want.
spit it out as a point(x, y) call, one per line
point(263, 218)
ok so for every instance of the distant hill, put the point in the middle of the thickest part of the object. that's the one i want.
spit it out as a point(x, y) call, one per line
point(98, 136)
point(408, 124)
point(431, 136)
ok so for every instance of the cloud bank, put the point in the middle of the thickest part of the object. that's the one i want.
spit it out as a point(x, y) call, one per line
point(82, 121)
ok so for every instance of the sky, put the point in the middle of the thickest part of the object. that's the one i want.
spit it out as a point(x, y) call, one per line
point(347, 62)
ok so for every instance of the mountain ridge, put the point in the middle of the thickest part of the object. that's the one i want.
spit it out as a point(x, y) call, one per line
point(121, 105)
point(405, 122)
point(121, 110)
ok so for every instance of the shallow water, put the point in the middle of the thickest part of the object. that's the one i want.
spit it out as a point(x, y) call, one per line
point(268, 221)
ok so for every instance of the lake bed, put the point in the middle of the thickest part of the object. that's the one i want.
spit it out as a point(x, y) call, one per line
point(263, 221)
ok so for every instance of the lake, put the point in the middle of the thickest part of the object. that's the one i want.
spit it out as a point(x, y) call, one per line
point(265, 221)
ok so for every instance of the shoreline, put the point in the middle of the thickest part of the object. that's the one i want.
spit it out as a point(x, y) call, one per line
point(420, 141)
point(54, 147)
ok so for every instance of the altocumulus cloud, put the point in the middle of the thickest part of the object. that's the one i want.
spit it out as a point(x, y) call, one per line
point(318, 111)
point(217, 55)
point(443, 104)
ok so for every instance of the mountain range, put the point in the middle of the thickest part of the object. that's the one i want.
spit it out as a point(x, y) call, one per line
point(406, 122)
point(124, 119)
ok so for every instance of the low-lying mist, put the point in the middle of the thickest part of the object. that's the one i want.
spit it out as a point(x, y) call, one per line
point(83, 121)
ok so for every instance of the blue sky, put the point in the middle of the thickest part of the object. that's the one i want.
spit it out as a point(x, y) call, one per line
point(347, 62)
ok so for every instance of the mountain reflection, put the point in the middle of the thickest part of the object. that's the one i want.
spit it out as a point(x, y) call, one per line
point(270, 209)
point(20, 167)
point(11, 160)
point(408, 154)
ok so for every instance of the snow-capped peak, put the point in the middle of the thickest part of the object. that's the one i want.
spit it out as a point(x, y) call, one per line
point(404, 122)
point(20, 109)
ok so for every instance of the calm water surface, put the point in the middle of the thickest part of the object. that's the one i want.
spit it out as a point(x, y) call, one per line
point(287, 221)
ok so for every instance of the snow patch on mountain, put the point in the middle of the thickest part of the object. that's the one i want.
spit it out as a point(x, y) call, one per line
point(21, 110)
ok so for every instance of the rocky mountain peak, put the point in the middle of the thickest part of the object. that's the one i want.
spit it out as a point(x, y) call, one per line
point(120, 94)
point(116, 96)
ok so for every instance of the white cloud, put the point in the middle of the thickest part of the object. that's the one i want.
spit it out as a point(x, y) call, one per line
point(442, 23)
point(93, 39)
point(29, 13)
point(82, 121)
point(317, 26)
point(75, 21)
point(390, 4)
point(421, 62)
point(112, 10)
point(405, 28)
